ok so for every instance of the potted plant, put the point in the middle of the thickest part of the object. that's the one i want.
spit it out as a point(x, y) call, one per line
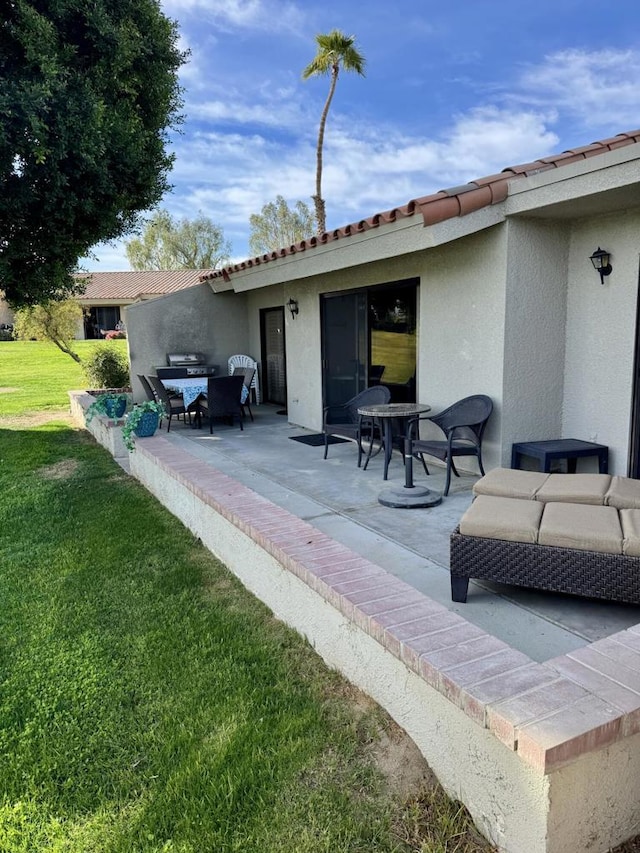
point(143, 421)
point(111, 404)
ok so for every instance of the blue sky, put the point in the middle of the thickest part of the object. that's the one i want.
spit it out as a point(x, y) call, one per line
point(453, 91)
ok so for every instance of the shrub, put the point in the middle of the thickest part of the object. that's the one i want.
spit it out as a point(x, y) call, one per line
point(107, 367)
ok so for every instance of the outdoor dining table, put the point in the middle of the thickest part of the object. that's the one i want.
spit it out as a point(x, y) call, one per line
point(193, 387)
point(408, 496)
point(190, 389)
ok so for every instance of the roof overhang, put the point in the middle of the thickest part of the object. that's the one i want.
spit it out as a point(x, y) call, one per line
point(391, 240)
point(600, 185)
point(102, 303)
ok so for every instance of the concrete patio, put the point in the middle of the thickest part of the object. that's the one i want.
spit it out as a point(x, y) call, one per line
point(341, 500)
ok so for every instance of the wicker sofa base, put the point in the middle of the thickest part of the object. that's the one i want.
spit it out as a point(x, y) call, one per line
point(613, 577)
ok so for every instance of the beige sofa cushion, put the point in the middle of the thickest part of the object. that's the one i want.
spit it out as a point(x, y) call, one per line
point(623, 493)
point(502, 518)
point(630, 521)
point(587, 528)
point(510, 483)
point(575, 488)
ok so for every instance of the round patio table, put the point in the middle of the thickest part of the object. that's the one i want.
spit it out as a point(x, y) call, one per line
point(408, 496)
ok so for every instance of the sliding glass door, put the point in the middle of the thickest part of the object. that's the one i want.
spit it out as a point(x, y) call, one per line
point(370, 337)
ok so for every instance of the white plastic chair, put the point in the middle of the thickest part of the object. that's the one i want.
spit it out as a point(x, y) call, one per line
point(246, 361)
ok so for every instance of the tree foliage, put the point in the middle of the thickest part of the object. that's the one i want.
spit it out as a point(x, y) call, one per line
point(88, 91)
point(53, 321)
point(278, 225)
point(167, 244)
point(335, 51)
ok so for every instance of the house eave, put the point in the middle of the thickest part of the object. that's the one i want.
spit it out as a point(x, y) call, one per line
point(403, 237)
point(599, 185)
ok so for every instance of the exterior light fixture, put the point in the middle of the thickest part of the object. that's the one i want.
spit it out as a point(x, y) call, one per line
point(601, 261)
point(292, 305)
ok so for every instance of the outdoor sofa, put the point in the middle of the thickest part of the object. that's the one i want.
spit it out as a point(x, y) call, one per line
point(568, 533)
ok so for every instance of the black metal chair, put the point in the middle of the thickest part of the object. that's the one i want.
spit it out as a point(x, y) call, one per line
point(345, 422)
point(172, 405)
point(463, 424)
point(146, 385)
point(223, 400)
point(247, 374)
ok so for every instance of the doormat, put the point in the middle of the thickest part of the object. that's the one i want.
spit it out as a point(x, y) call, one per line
point(316, 439)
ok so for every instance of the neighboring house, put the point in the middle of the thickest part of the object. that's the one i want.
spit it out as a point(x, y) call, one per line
point(108, 294)
point(482, 288)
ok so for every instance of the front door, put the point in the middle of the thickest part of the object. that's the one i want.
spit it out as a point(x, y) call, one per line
point(274, 362)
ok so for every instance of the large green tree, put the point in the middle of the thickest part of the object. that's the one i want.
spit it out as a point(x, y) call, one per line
point(88, 92)
point(335, 51)
point(277, 225)
point(169, 244)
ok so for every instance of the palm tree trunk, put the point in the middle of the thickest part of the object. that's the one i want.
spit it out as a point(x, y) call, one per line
point(317, 198)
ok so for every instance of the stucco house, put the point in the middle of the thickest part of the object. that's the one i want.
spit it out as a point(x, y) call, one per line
point(483, 288)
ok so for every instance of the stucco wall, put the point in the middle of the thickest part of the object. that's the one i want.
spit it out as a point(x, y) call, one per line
point(193, 320)
point(460, 328)
point(601, 322)
point(535, 300)
point(303, 334)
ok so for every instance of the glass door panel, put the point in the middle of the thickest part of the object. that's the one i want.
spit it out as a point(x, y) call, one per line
point(344, 345)
point(274, 367)
point(393, 340)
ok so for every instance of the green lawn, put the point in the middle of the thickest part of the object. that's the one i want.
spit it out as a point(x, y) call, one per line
point(40, 375)
point(147, 701)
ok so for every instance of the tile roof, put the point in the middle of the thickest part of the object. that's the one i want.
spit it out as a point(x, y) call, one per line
point(445, 204)
point(136, 284)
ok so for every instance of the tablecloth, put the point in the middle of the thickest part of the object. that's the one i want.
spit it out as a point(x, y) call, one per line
point(192, 387)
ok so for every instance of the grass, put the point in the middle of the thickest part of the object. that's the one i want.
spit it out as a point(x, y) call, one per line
point(147, 701)
point(40, 375)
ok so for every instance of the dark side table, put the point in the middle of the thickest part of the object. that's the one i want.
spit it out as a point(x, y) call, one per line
point(570, 449)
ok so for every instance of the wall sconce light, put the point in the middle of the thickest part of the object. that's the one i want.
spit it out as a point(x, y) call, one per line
point(601, 261)
point(292, 305)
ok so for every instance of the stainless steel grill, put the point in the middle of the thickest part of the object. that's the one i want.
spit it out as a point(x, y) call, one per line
point(183, 364)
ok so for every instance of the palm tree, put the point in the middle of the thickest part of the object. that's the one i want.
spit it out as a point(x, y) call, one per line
point(335, 49)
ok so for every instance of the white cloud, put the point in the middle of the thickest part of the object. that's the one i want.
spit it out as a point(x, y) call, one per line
point(593, 87)
point(245, 144)
point(232, 15)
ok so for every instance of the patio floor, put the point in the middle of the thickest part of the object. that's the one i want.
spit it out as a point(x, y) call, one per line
point(413, 544)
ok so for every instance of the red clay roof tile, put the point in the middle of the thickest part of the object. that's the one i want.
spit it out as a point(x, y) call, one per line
point(437, 207)
point(136, 284)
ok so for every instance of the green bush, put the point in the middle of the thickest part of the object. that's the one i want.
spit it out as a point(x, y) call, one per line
point(107, 367)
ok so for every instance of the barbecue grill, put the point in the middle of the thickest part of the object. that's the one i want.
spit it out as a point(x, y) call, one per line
point(184, 364)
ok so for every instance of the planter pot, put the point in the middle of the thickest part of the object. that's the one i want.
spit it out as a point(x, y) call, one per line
point(115, 408)
point(147, 424)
